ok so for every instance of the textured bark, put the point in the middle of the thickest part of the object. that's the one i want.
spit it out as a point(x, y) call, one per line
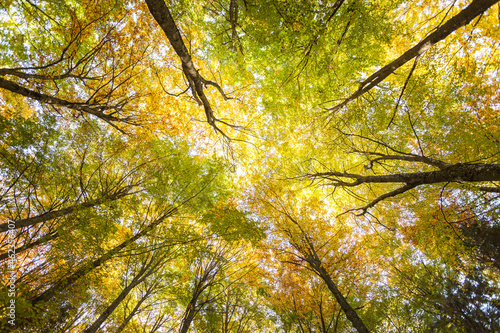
point(87, 268)
point(475, 8)
point(189, 316)
point(459, 172)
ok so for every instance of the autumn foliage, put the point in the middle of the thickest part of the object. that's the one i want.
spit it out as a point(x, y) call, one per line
point(249, 166)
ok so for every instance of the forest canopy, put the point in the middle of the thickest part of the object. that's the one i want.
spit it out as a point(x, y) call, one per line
point(250, 166)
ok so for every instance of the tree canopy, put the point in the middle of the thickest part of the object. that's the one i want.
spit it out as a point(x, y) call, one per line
point(250, 166)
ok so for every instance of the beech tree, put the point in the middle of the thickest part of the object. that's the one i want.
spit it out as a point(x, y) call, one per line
point(249, 165)
point(304, 251)
point(162, 15)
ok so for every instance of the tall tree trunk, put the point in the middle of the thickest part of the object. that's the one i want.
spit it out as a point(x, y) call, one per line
point(87, 268)
point(188, 318)
point(191, 309)
point(147, 269)
point(205, 279)
point(64, 211)
point(313, 260)
point(350, 313)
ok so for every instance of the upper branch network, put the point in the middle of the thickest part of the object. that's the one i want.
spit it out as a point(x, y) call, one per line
point(475, 8)
point(441, 172)
point(197, 83)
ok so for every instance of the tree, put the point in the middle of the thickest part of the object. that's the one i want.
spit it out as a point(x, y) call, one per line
point(344, 175)
point(148, 267)
point(446, 172)
point(74, 61)
point(196, 82)
point(304, 251)
point(464, 17)
point(119, 226)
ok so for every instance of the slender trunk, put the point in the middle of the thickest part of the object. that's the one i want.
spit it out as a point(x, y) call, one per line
point(43, 217)
point(226, 315)
point(62, 212)
point(350, 313)
point(191, 309)
point(42, 240)
point(132, 313)
point(314, 262)
point(143, 274)
point(475, 8)
point(205, 277)
point(87, 268)
point(188, 318)
point(321, 317)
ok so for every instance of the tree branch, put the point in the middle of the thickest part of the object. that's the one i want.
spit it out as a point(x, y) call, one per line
point(451, 173)
point(162, 15)
point(391, 194)
point(475, 8)
point(95, 109)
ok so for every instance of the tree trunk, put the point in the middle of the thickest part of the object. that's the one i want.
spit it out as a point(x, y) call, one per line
point(62, 212)
point(191, 307)
point(204, 281)
point(162, 16)
point(146, 270)
point(188, 318)
point(87, 268)
point(350, 313)
point(132, 313)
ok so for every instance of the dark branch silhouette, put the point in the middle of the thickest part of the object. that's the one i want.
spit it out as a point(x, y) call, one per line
point(475, 8)
point(197, 83)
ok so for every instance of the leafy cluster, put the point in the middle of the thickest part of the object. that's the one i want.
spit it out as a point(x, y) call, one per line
point(249, 166)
